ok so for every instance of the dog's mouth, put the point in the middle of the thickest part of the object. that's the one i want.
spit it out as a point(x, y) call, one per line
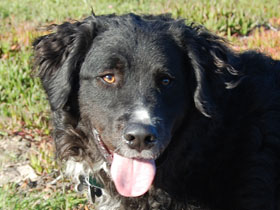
point(132, 177)
point(108, 155)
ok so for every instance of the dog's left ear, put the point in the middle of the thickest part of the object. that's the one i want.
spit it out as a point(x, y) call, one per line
point(209, 57)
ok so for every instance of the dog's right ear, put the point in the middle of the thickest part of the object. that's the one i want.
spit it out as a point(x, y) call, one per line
point(59, 56)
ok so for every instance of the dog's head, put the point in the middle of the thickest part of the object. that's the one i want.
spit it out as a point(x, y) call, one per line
point(129, 82)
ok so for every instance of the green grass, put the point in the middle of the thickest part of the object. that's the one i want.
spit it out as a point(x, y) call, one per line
point(227, 16)
point(21, 96)
point(14, 199)
point(23, 103)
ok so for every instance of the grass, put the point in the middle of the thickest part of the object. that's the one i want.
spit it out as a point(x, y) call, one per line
point(22, 99)
point(23, 103)
point(14, 199)
point(224, 16)
point(267, 41)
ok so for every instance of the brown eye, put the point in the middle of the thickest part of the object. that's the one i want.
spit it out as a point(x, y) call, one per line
point(109, 78)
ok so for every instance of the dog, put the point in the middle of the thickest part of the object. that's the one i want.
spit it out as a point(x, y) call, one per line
point(151, 113)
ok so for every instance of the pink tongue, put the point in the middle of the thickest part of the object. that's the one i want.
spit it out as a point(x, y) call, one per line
point(132, 177)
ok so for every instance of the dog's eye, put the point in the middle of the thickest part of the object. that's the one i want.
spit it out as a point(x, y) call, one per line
point(109, 78)
point(165, 80)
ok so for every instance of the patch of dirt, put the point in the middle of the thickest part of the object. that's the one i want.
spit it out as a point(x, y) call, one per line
point(14, 160)
point(16, 150)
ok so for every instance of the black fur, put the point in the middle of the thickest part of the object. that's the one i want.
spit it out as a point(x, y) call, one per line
point(218, 120)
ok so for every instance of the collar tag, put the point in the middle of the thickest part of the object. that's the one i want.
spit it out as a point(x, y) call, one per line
point(94, 189)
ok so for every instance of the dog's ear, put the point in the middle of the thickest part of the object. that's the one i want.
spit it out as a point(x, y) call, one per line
point(59, 56)
point(209, 57)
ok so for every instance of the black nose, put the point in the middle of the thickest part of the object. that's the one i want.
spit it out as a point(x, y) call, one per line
point(140, 136)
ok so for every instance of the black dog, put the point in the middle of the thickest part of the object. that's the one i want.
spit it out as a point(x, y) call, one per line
point(151, 113)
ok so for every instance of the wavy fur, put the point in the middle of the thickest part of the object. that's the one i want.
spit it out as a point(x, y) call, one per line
point(220, 136)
